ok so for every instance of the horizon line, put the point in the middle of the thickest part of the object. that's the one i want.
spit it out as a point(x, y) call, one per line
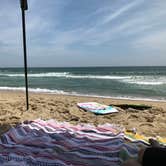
point(80, 66)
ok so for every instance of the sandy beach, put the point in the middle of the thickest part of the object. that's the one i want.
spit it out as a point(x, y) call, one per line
point(149, 121)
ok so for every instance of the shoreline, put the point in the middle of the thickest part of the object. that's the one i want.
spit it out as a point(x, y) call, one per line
point(47, 91)
point(61, 107)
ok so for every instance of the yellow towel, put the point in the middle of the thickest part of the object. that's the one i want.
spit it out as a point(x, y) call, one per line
point(138, 137)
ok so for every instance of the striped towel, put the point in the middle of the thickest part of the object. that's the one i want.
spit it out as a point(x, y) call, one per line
point(52, 143)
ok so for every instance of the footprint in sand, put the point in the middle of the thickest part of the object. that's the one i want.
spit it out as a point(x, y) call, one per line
point(3, 111)
point(14, 117)
point(133, 116)
point(74, 118)
point(146, 124)
point(149, 118)
point(51, 104)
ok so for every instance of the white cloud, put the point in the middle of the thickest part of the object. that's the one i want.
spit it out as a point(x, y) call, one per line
point(120, 11)
point(135, 24)
point(153, 41)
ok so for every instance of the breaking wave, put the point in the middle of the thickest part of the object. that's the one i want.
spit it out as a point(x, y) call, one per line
point(61, 92)
point(146, 80)
point(67, 75)
point(130, 79)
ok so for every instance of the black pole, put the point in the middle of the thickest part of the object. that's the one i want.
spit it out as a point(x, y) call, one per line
point(24, 7)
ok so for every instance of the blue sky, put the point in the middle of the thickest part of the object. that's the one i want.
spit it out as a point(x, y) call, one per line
point(84, 33)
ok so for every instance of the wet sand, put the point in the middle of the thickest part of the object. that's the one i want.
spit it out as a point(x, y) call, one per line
point(149, 121)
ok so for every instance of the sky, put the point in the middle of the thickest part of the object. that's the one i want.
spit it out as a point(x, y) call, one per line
point(64, 33)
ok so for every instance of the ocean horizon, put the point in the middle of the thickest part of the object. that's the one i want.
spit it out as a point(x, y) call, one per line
point(132, 82)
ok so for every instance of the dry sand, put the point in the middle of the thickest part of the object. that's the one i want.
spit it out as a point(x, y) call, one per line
point(150, 122)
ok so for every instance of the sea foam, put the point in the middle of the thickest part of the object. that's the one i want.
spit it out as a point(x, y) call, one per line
point(146, 80)
point(37, 90)
point(68, 75)
point(54, 91)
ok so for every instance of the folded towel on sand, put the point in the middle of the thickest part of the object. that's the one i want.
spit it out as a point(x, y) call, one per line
point(138, 137)
point(50, 143)
point(97, 108)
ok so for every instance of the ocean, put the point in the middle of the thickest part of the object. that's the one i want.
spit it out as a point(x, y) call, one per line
point(147, 83)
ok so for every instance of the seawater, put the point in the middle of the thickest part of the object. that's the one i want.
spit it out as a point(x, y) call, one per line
point(148, 83)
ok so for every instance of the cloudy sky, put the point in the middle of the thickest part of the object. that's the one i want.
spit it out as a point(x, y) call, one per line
point(84, 33)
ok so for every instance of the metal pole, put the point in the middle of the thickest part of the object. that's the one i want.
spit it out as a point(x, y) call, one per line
point(23, 8)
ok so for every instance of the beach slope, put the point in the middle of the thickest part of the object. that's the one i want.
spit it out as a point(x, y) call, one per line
point(148, 121)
